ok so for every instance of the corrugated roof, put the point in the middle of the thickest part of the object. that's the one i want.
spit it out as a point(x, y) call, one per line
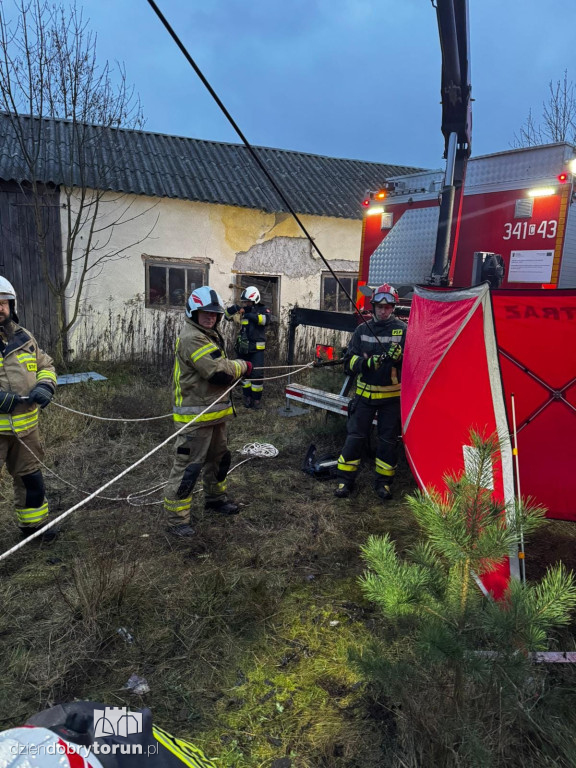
point(159, 165)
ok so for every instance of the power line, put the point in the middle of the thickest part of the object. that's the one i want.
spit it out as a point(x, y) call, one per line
point(255, 156)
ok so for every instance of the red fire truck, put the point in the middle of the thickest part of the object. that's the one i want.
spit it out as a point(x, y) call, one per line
point(485, 255)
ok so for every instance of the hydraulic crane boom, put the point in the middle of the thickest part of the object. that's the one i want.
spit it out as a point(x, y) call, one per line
point(453, 28)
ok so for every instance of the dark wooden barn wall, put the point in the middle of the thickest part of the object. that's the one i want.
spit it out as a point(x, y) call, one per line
point(20, 261)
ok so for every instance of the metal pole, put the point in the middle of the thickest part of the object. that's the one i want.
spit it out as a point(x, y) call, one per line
point(521, 553)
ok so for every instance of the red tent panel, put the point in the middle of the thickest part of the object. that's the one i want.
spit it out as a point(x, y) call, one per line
point(450, 385)
point(536, 332)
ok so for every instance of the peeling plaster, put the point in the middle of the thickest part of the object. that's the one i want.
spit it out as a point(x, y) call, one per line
point(289, 256)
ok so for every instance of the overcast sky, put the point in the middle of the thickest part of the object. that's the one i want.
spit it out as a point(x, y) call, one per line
point(346, 78)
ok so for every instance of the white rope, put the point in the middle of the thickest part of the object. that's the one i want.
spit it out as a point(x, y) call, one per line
point(65, 514)
point(264, 450)
point(96, 493)
point(169, 415)
point(109, 418)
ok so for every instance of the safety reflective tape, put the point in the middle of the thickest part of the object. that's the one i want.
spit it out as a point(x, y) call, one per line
point(245, 322)
point(186, 752)
point(382, 468)
point(257, 387)
point(33, 515)
point(46, 375)
point(238, 368)
point(205, 350)
point(184, 418)
point(19, 423)
point(348, 466)
point(180, 505)
point(378, 388)
point(260, 345)
point(215, 489)
point(177, 388)
point(375, 339)
point(376, 395)
point(261, 319)
point(246, 385)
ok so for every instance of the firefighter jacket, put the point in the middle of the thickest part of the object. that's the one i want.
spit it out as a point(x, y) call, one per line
point(374, 383)
point(252, 336)
point(201, 374)
point(22, 365)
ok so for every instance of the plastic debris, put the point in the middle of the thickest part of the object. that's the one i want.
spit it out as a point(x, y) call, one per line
point(75, 378)
point(125, 635)
point(138, 685)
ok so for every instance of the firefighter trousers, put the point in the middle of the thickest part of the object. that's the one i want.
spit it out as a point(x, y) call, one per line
point(252, 386)
point(202, 447)
point(22, 456)
point(388, 427)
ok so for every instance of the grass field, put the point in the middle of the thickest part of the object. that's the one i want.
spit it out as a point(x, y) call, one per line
point(243, 633)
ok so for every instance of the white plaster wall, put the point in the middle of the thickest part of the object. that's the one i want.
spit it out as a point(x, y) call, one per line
point(233, 239)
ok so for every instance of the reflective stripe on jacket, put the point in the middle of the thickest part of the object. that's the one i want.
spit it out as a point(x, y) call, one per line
point(253, 324)
point(201, 374)
point(22, 365)
point(385, 381)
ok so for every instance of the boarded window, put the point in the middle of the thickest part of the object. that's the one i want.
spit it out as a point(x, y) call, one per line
point(168, 284)
point(333, 298)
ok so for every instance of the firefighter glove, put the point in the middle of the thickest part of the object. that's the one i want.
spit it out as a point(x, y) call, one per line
point(372, 363)
point(8, 401)
point(41, 394)
point(395, 352)
point(249, 368)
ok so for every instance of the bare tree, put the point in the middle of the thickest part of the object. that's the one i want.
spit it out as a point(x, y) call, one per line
point(49, 69)
point(558, 122)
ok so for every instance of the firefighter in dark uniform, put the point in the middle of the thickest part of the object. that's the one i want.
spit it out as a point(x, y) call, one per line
point(374, 356)
point(27, 384)
point(201, 374)
point(251, 342)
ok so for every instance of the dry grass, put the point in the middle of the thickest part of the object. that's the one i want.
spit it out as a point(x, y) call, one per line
point(242, 633)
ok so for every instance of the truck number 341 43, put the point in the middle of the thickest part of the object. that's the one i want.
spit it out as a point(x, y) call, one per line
point(523, 229)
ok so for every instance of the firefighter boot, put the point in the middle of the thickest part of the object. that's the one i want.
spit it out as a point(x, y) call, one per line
point(383, 490)
point(181, 531)
point(344, 490)
point(257, 405)
point(222, 506)
point(246, 399)
point(48, 535)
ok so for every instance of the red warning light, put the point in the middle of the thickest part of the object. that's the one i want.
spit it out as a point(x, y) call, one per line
point(366, 202)
point(562, 178)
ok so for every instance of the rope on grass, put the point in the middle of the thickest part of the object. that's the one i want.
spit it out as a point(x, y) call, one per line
point(252, 450)
point(65, 514)
point(169, 415)
point(96, 493)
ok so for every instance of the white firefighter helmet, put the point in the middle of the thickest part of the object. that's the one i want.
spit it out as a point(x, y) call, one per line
point(250, 294)
point(386, 293)
point(204, 298)
point(7, 291)
point(41, 748)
